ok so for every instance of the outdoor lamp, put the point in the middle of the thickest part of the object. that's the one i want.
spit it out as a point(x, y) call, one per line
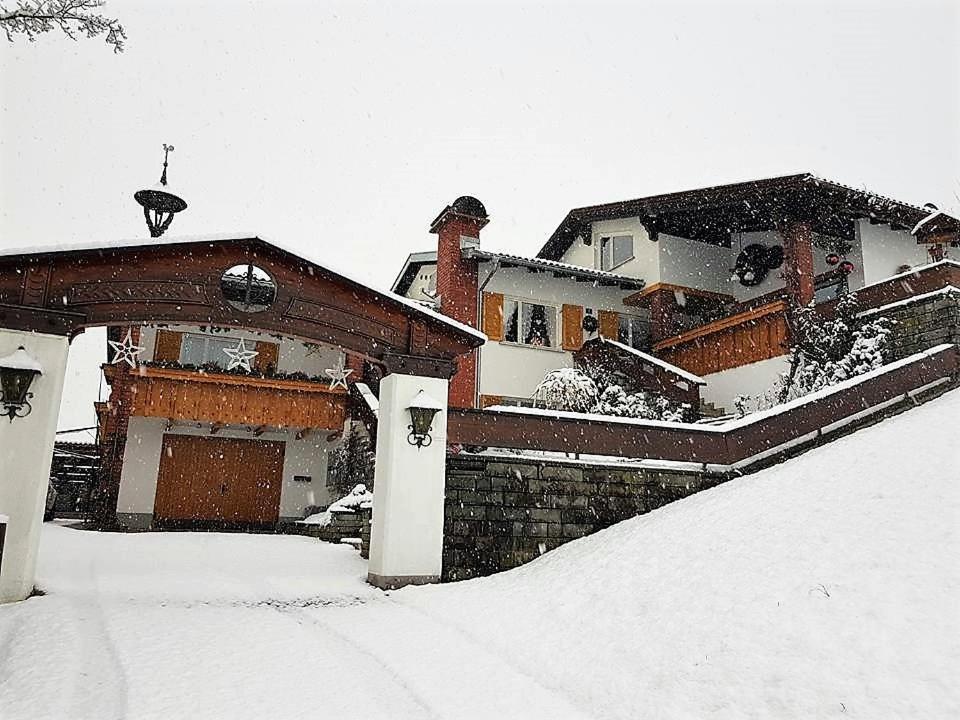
point(423, 409)
point(17, 371)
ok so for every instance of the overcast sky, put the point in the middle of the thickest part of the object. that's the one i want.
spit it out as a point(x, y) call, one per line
point(341, 129)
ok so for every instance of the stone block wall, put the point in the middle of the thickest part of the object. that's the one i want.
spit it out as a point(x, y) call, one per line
point(924, 324)
point(502, 512)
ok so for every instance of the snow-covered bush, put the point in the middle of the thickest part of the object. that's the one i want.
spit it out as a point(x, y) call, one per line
point(357, 499)
point(566, 389)
point(572, 390)
point(827, 350)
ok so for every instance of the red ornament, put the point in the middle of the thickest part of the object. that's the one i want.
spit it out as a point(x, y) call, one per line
point(846, 267)
point(832, 259)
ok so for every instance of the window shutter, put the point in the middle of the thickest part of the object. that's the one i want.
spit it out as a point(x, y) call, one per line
point(267, 353)
point(609, 324)
point(167, 347)
point(493, 316)
point(572, 327)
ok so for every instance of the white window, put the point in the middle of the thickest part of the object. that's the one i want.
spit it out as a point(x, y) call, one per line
point(634, 331)
point(615, 251)
point(200, 350)
point(528, 323)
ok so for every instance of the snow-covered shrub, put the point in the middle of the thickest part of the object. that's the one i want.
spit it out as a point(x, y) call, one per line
point(828, 350)
point(572, 390)
point(357, 499)
point(566, 389)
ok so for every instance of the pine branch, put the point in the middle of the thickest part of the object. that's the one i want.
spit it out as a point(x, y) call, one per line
point(71, 17)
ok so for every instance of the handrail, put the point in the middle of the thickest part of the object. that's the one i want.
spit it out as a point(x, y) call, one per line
point(722, 324)
point(200, 376)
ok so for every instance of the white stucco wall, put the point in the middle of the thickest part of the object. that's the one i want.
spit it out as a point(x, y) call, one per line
point(885, 250)
point(26, 450)
point(516, 370)
point(292, 355)
point(753, 379)
point(646, 253)
point(141, 464)
point(422, 281)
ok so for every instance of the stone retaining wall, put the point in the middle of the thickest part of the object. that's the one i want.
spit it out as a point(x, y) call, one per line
point(923, 324)
point(502, 512)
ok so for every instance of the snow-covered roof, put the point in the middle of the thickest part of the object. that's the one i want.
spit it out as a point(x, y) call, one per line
point(695, 379)
point(130, 243)
point(429, 257)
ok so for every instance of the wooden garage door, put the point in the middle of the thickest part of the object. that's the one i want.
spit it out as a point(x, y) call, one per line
point(219, 480)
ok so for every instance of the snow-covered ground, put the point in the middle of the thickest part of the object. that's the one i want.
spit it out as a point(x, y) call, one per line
point(825, 587)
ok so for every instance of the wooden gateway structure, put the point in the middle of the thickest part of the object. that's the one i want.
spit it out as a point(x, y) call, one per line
point(229, 361)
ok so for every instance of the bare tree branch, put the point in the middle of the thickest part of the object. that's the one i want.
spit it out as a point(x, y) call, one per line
point(35, 17)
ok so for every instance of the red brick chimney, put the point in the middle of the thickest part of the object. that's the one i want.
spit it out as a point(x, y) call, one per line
point(458, 226)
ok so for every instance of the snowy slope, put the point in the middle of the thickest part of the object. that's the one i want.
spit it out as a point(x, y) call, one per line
point(828, 586)
point(825, 587)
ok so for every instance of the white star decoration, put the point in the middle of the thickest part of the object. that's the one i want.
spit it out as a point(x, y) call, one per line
point(338, 375)
point(240, 356)
point(125, 351)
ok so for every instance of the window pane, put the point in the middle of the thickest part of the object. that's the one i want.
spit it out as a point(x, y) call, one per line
point(215, 350)
point(605, 251)
point(538, 325)
point(192, 349)
point(622, 249)
point(510, 320)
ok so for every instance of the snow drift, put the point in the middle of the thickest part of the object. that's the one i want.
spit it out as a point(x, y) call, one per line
point(826, 586)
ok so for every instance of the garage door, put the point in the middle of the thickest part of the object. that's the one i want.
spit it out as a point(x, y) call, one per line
point(223, 480)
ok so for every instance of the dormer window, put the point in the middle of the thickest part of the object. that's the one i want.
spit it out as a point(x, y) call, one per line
point(615, 250)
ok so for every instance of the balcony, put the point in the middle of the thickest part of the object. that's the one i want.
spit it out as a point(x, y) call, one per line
point(226, 399)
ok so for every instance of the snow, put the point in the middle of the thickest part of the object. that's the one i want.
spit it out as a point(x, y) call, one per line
point(20, 359)
point(422, 400)
point(695, 379)
point(911, 272)
point(823, 587)
point(368, 397)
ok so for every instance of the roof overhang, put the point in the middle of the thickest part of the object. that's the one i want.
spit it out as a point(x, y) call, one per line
point(712, 214)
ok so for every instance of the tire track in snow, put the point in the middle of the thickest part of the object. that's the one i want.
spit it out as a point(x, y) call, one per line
point(106, 699)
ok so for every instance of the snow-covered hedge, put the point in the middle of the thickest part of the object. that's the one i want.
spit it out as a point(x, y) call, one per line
point(571, 390)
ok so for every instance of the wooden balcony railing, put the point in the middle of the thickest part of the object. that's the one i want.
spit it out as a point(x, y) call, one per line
point(226, 399)
point(747, 337)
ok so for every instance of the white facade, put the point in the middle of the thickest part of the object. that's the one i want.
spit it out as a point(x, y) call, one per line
point(753, 380)
point(307, 457)
point(514, 370)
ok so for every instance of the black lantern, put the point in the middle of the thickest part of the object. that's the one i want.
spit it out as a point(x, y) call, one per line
point(423, 409)
point(17, 371)
point(159, 203)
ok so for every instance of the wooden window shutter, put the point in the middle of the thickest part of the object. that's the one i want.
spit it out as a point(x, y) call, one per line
point(572, 327)
point(267, 354)
point(609, 324)
point(167, 347)
point(493, 316)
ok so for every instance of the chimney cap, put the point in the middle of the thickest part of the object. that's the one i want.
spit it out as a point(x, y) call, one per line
point(465, 205)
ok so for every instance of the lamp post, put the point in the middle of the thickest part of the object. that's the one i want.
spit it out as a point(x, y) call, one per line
point(17, 372)
point(422, 409)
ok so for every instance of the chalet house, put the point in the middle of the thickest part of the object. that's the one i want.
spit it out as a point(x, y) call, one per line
point(695, 283)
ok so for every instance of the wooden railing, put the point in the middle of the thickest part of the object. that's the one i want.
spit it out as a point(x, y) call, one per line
point(730, 342)
point(738, 442)
point(221, 398)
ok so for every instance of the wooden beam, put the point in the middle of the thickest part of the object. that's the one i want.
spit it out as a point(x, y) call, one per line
point(216, 427)
point(301, 434)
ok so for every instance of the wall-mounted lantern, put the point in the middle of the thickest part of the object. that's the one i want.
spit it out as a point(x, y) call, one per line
point(17, 371)
point(423, 409)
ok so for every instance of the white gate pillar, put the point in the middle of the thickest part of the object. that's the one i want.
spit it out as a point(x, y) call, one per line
point(406, 539)
point(26, 450)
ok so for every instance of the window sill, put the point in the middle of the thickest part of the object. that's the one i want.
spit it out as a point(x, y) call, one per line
point(531, 347)
point(611, 269)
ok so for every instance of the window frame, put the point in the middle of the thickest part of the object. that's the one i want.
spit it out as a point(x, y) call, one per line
point(232, 341)
point(641, 321)
point(607, 240)
point(557, 345)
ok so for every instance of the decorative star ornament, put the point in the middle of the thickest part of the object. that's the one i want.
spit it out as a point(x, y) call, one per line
point(125, 351)
point(338, 375)
point(240, 356)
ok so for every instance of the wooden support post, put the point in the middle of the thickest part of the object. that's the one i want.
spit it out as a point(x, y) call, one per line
point(798, 261)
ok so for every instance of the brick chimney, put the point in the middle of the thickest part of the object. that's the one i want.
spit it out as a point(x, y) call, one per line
point(458, 226)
